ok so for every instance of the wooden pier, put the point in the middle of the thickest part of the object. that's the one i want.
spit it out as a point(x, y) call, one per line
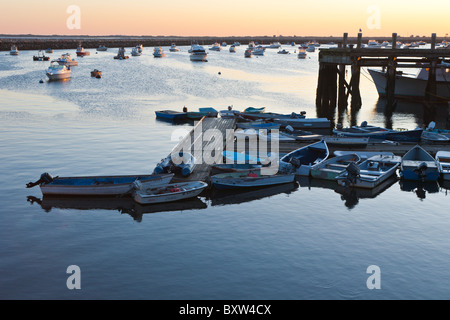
point(334, 90)
point(199, 140)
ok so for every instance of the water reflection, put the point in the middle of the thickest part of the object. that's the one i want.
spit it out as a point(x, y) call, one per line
point(419, 188)
point(121, 204)
point(350, 196)
point(225, 197)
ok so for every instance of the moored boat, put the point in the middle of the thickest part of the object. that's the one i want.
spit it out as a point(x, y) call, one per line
point(66, 58)
point(254, 110)
point(301, 160)
point(301, 53)
point(96, 73)
point(418, 164)
point(102, 48)
point(198, 53)
point(96, 185)
point(249, 179)
point(121, 54)
point(158, 52)
point(304, 123)
point(443, 161)
point(248, 53)
point(171, 115)
point(41, 57)
point(258, 125)
point(81, 52)
point(169, 193)
point(369, 173)
point(14, 50)
point(233, 167)
point(183, 163)
point(202, 112)
point(332, 167)
point(173, 48)
point(57, 71)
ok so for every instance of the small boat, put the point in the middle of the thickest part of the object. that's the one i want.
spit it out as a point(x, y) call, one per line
point(274, 45)
point(49, 50)
point(310, 48)
point(250, 179)
point(169, 193)
point(418, 164)
point(121, 54)
point(301, 53)
point(270, 116)
point(248, 53)
point(81, 52)
point(302, 123)
point(216, 47)
point(430, 136)
point(102, 48)
point(369, 173)
point(245, 158)
point(57, 71)
point(135, 52)
point(229, 114)
point(233, 167)
point(96, 73)
point(350, 142)
point(171, 115)
point(96, 185)
point(41, 57)
point(364, 155)
point(258, 51)
point(158, 52)
point(258, 125)
point(254, 110)
point(443, 160)
point(14, 50)
point(66, 59)
point(173, 48)
point(198, 53)
point(232, 48)
point(284, 51)
point(332, 167)
point(202, 112)
point(183, 163)
point(301, 161)
point(380, 133)
point(224, 44)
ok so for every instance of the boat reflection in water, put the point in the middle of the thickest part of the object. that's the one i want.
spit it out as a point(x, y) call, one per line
point(122, 204)
point(350, 196)
point(225, 197)
point(419, 188)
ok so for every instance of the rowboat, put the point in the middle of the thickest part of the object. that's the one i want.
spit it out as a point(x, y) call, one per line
point(234, 167)
point(169, 192)
point(202, 112)
point(302, 123)
point(301, 161)
point(170, 115)
point(258, 125)
point(418, 164)
point(332, 167)
point(228, 114)
point(254, 110)
point(443, 160)
point(363, 155)
point(430, 136)
point(96, 185)
point(183, 163)
point(354, 142)
point(370, 173)
point(242, 157)
point(380, 133)
point(271, 115)
point(249, 179)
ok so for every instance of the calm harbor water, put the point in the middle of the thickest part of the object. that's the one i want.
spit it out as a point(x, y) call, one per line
point(308, 240)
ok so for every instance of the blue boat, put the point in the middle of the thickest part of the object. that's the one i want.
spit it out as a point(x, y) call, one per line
point(254, 110)
point(97, 185)
point(202, 112)
point(301, 161)
point(241, 158)
point(417, 164)
point(380, 133)
point(171, 115)
point(234, 167)
point(184, 164)
point(258, 125)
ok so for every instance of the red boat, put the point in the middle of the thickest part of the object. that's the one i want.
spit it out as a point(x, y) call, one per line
point(81, 52)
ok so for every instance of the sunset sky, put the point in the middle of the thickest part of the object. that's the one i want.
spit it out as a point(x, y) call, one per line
point(227, 18)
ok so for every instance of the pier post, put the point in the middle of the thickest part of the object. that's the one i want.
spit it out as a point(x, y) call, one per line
point(359, 41)
point(390, 86)
point(433, 41)
point(394, 41)
point(354, 85)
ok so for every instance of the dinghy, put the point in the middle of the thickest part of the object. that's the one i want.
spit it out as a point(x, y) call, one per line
point(302, 123)
point(254, 110)
point(332, 167)
point(258, 125)
point(202, 112)
point(170, 115)
point(168, 193)
point(301, 160)
point(249, 179)
point(418, 164)
point(96, 185)
point(234, 167)
point(443, 160)
point(370, 173)
point(184, 164)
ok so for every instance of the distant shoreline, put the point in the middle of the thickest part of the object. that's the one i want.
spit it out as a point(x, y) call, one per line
point(42, 42)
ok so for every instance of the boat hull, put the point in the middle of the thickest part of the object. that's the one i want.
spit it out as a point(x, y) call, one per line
point(301, 160)
point(142, 197)
point(198, 57)
point(315, 123)
point(59, 76)
point(248, 182)
point(417, 164)
point(171, 115)
point(101, 185)
point(408, 88)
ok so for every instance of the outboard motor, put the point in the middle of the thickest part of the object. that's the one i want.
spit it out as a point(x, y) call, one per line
point(289, 128)
point(44, 179)
point(421, 171)
point(352, 174)
point(364, 124)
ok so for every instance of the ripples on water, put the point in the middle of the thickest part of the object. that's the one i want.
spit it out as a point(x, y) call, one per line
point(303, 241)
